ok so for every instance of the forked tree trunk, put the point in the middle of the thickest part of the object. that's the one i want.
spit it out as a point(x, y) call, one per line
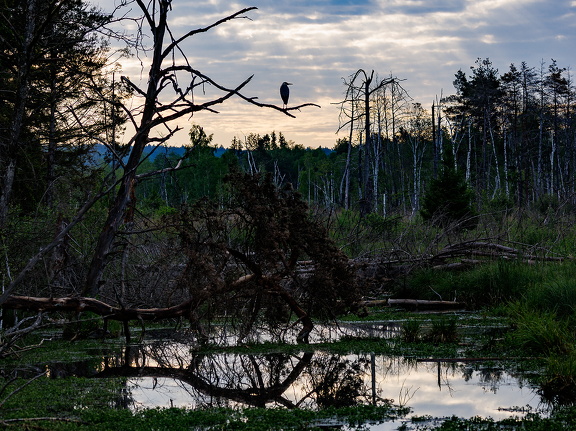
point(119, 211)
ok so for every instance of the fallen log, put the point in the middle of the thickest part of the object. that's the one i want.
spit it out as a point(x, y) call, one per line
point(418, 304)
point(79, 304)
point(421, 304)
point(373, 303)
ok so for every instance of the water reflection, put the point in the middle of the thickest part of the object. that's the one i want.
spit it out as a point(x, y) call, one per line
point(328, 332)
point(171, 375)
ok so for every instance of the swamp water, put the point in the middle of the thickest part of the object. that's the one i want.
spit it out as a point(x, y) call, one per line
point(170, 374)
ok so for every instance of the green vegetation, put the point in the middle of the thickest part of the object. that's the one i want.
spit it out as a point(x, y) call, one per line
point(563, 419)
point(449, 199)
point(258, 419)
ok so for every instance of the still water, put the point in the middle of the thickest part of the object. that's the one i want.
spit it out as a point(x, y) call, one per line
point(160, 373)
point(170, 375)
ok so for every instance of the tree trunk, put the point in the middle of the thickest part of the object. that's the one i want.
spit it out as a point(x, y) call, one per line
point(79, 304)
point(125, 196)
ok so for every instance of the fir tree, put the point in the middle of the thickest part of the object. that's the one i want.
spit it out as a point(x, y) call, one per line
point(449, 197)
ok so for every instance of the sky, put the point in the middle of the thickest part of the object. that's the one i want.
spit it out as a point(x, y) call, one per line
point(314, 44)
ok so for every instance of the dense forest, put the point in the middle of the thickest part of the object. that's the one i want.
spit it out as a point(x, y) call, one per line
point(140, 225)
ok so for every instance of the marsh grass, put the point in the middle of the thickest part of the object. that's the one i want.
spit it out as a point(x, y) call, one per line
point(540, 332)
point(557, 296)
point(50, 397)
point(544, 319)
point(411, 331)
point(483, 286)
point(558, 385)
point(249, 419)
point(443, 330)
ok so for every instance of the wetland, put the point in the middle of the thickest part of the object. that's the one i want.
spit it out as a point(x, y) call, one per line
point(352, 375)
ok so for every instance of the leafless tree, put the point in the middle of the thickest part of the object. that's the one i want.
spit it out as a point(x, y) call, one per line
point(164, 100)
point(169, 95)
point(362, 89)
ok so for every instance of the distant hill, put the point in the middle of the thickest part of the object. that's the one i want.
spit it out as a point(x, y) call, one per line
point(100, 151)
point(153, 152)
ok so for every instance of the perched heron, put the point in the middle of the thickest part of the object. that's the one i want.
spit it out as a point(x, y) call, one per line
point(285, 93)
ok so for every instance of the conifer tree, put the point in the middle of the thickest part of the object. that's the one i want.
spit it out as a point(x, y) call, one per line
point(449, 197)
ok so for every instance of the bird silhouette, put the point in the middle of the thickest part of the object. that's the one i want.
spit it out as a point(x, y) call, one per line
point(285, 93)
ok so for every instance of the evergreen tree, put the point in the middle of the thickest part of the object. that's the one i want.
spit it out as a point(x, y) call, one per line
point(449, 197)
point(51, 77)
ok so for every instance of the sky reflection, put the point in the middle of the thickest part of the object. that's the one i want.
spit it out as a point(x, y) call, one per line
point(429, 388)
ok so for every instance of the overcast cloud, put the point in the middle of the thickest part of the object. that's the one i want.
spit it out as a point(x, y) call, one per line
point(314, 44)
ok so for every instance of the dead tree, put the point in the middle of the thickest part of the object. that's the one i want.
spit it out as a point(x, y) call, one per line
point(359, 96)
point(242, 263)
point(159, 109)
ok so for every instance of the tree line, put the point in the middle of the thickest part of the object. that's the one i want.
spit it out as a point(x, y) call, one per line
point(510, 137)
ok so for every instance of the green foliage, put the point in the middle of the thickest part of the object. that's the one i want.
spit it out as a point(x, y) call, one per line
point(561, 420)
point(485, 285)
point(249, 419)
point(62, 67)
point(449, 198)
point(540, 332)
point(94, 404)
point(547, 204)
point(499, 205)
point(443, 331)
point(559, 381)
point(65, 398)
point(411, 331)
point(198, 137)
point(554, 296)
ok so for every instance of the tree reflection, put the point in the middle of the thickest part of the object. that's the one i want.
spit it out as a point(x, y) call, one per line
point(276, 379)
point(337, 381)
point(254, 380)
point(155, 371)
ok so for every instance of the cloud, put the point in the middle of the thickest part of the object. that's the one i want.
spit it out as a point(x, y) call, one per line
point(315, 43)
point(421, 7)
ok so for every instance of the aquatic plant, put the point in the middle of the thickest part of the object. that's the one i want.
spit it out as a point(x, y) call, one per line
point(411, 331)
point(444, 330)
